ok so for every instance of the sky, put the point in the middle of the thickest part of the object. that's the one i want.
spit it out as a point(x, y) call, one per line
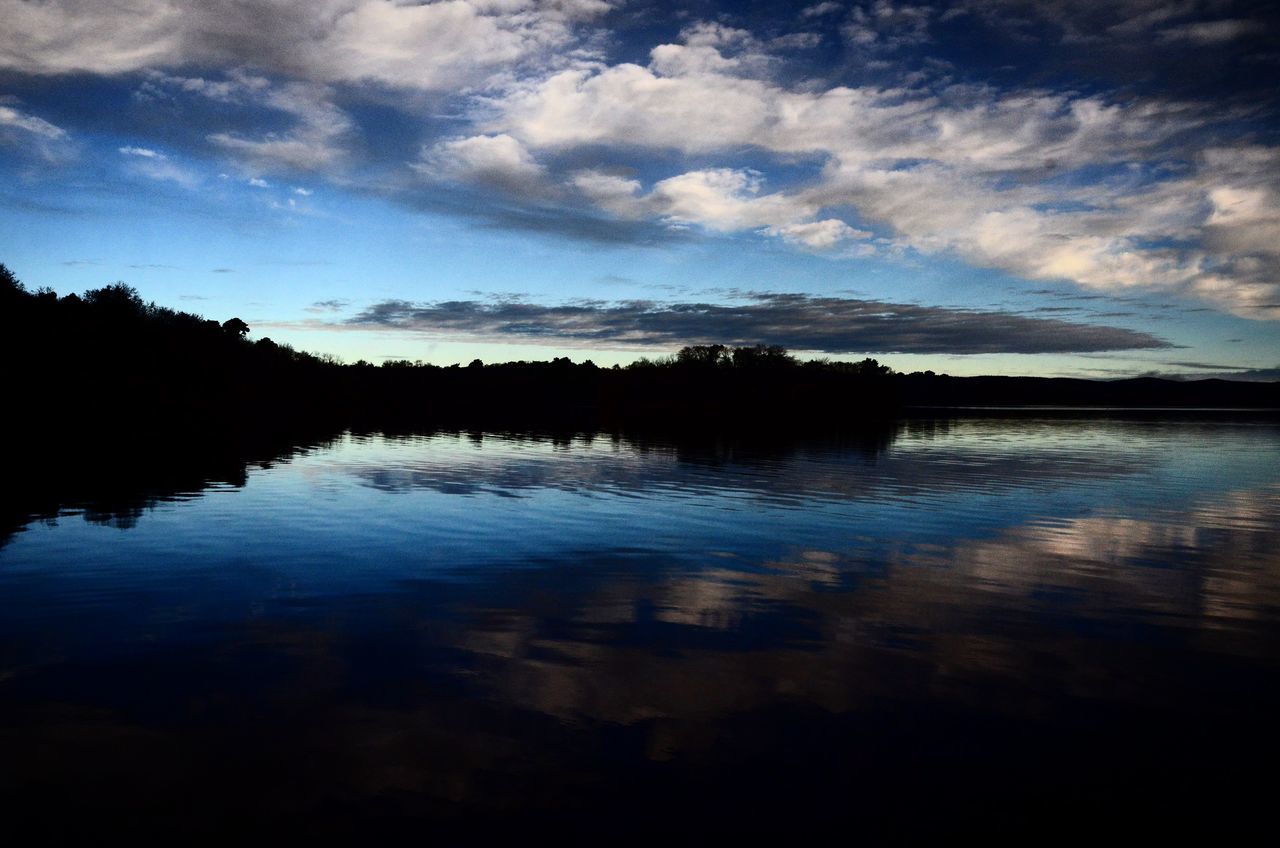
point(1071, 188)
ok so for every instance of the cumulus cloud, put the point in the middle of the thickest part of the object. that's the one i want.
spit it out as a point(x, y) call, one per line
point(714, 48)
point(799, 322)
point(721, 200)
point(426, 46)
point(1107, 191)
point(1003, 161)
point(730, 200)
point(494, 160)
point(975, 127)
point(83, 35)
point(820, 235)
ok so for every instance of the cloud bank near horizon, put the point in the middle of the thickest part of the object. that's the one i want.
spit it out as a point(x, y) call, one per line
point(798, 322)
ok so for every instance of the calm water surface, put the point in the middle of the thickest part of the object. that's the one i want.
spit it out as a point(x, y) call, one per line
point(999, 626)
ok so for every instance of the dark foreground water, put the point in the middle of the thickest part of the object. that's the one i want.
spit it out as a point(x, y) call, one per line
point(1024, 627)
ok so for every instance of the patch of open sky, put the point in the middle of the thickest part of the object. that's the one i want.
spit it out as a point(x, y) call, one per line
point(207, 115)
point(909, 164)
point(73, 100)
point(146, 110)
point(638, 28)
point(1171, 244)
point(646, 165)
point(1107, 175)
point(1142, 63)
point(391, 133)
point(88, 188)
point(936, 279)
point(980, 51)
point(1063, 207)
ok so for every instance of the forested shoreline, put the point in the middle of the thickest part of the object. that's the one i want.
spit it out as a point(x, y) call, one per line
point(106, 359)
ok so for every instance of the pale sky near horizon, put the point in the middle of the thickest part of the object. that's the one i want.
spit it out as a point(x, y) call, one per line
point(1074, 188)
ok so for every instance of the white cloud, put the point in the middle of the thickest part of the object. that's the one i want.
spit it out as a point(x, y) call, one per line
point(965, 170)
point(314, 142)
point(429, 46)
point(819, 235)
point(10, 117)
point(33, 138)
point(84, 35)
point(493, 160)
point(722, 200)
point(614, 193)
point(152, 164)
point(1213, 32)
point(144, 152)
point(434, 45)
point(731, 200)
point(700, 110)
point(258, 182)
point(997, 178)
point(820, 9)
point(632, 106)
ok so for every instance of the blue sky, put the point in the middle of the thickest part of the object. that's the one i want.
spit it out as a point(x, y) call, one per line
point(987, 186)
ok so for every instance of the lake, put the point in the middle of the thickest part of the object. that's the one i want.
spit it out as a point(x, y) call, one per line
point(1005, 626)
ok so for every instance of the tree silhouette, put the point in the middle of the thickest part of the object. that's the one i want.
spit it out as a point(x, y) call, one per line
point(118, 298)
point(235, 327)
point(703, 355)
point(8, 282)
point(762, 356)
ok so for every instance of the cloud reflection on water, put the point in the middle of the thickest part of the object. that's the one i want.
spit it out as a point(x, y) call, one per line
point(1016, 609)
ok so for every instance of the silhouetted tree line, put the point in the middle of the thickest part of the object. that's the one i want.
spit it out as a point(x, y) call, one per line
point(107, 357)
point(109, 360)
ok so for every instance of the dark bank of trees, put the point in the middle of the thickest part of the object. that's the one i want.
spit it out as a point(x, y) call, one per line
point(107, 360)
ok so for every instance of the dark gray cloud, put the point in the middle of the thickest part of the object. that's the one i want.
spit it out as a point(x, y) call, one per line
point(1206, 366)
point(796, 321)
point(334, 305)
point(546, 216)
